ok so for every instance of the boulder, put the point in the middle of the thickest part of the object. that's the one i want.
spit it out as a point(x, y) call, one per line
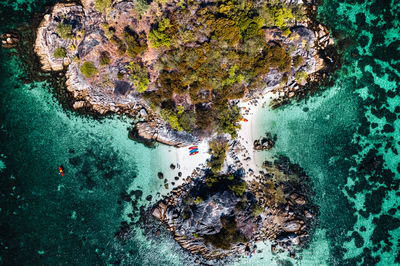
point(143, 112)
point(160, 175)
point(78, 104)
point(291, 226)
point(160, 132)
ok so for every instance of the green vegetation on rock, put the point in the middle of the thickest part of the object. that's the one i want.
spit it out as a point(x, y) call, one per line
point(141, 7)
point(102, 5)
point(138, 76)
point(120, 76)
point(205, 56)
point(218, 148)
point(64, 30)
point(227, 236)
point(298, 60)
point(60, 52)
point(301, 76)
point(238, 188)
point(159, 37)
point(280, 15)
point(198, 200)
point(136, 43)
point(121, 47)
point(228, 120)
point(88, 69)
point(104, 58)
point(257, 210)
point(172, 118)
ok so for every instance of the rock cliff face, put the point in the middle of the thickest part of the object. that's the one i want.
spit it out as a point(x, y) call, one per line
point(72, 34)
point(47, 40)
point(228, 217)
point(158, 131)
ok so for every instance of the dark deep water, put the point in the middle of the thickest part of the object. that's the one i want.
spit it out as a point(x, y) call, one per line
point(347, 138)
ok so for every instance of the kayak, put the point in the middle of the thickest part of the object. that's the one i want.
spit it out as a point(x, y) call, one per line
point(194, 153)
point(194, 150)
point(193, 147)
point(61, 171)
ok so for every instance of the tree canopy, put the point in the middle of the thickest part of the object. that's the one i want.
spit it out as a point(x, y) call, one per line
point(208, 54)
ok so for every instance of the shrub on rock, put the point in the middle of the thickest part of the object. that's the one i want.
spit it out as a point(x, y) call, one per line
point(88, 69)
point(218, 148)
point(60, 52)
point(298, 60)
point(104, 59)
point(102, 5)
point(64, 30)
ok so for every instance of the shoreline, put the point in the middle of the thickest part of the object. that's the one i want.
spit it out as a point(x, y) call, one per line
point(248, 133)
point(175, 159)
point(154, 127)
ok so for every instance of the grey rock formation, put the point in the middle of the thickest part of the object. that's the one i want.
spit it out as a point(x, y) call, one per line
point(216, 222)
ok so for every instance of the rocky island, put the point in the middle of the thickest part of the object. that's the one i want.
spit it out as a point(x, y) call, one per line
point(182, 69)
point(226, 214)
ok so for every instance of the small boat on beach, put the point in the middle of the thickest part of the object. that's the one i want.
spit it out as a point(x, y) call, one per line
point(194, 150)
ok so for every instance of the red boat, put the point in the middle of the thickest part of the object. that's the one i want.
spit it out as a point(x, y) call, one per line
point(193, 147)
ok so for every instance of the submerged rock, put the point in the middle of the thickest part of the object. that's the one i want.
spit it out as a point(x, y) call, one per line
point(266, 143)
point(9, 40)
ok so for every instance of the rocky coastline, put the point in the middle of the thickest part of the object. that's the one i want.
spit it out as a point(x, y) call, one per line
point(230, 216)
point(106, 93)
point(216, 213)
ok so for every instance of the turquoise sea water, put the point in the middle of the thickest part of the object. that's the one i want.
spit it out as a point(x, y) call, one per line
point(346, 138)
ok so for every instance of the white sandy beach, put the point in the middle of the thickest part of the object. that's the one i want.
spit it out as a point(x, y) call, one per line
point(250, 131)
point(246, 135)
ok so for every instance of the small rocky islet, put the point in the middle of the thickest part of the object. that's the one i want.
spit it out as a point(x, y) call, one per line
point(180, 69)
point(218, 216)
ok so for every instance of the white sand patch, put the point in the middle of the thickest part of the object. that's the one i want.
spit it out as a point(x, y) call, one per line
point(186, 162)
point(241, 155)
point(251, 159)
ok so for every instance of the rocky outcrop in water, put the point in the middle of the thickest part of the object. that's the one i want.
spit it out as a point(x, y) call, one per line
point(9, 40)
point(151, 131)
point(265, 143)
point(47, 40)
point(224, 216)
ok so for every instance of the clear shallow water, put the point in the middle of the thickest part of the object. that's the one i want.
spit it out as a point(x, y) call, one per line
point(51, 219)
point(345, 138)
